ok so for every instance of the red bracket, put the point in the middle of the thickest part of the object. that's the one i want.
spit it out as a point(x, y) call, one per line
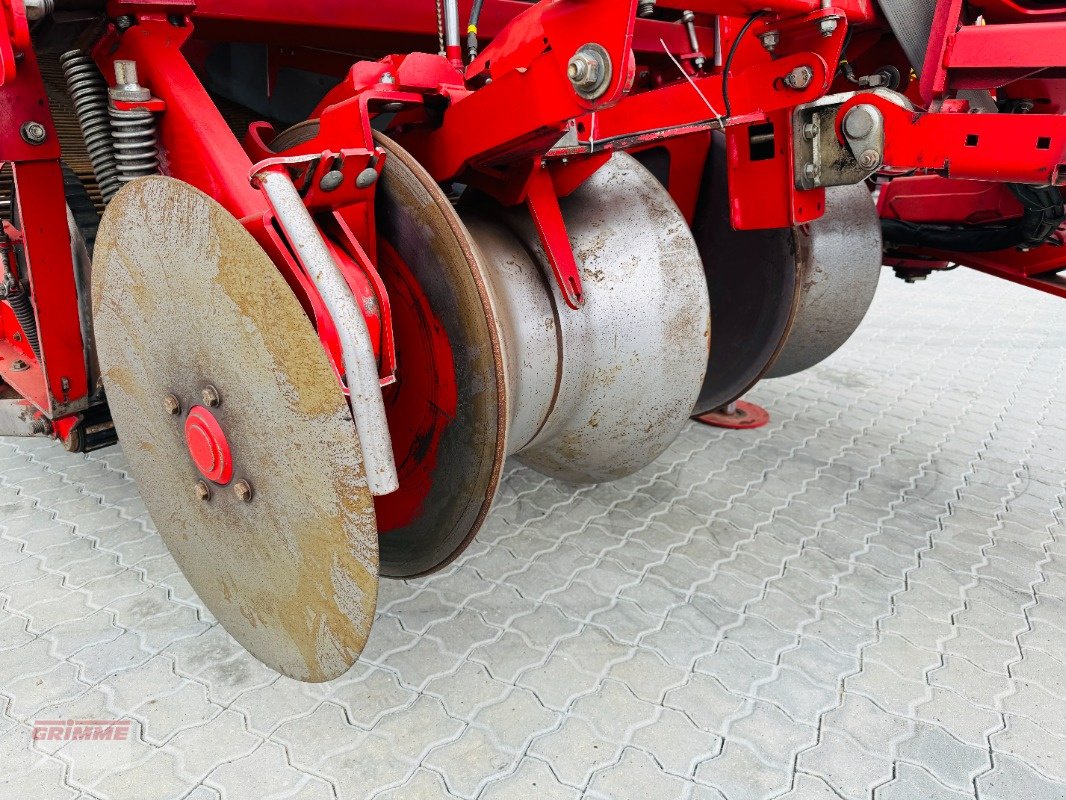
point(543, 205)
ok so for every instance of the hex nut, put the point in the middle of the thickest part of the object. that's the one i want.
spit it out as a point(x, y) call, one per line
point(869, 159)
point(243, 490)
point(171, 404)
point(589, 71)
point(211, 397)
point(33, 132)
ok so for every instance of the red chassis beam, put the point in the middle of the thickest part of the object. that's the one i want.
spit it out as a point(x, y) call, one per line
point(1018, 148)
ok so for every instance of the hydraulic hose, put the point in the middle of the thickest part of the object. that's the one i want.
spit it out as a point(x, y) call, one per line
point(1044, 211)
point(471, 29)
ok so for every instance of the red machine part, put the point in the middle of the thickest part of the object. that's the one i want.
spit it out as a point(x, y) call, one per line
point(208, 446)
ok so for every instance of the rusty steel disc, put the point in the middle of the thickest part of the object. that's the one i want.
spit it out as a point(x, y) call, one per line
point(754, 282)
point(448, 409)
point(279, 541)
point(450, 399)
point(839, 257)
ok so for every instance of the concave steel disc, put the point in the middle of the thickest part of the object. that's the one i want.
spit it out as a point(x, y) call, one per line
point(753, 278)
point(839, 257)
point(185, 299)
point(448, 409)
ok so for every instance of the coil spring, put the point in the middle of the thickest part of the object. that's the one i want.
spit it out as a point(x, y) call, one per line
point(20, 306)
point(133, 133)
point(88, 92)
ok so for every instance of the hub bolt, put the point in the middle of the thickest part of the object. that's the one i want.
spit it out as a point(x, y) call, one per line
point(211, 397)
point(203, 491)
point(172, 404)
point(33, 132)
point(243, 490)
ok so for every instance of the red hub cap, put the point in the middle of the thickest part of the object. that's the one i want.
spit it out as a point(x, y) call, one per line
point(208, 446)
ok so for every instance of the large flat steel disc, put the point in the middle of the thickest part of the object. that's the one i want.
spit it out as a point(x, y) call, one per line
point(184, 299)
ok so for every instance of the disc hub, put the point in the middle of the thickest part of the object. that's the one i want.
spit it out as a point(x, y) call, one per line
point(208, 446)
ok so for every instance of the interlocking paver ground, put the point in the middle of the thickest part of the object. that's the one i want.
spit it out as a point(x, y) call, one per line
point(863, 600)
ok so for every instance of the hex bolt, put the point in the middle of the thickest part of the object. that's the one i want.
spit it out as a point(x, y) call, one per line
point(127, 83)
point(688, 19)
point(171, 404)
point(33, 132)
point(39, 9)
point(869, 159)
point(645, 8)
point(827, 25)
point(124, 23)
point(203, 491)
point(20, 366)
point(331, 181)
point(211, 397)
point(800, 77)
point(858, 122)
point(243, 490)
point(770, 40)
point(810, 131)
point(589, 70)
point(810, 172)
point(388, 78)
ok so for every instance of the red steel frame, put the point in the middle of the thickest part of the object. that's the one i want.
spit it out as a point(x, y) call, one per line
point(503, 131)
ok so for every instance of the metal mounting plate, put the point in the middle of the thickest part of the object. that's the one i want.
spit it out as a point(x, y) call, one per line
point(819, 158)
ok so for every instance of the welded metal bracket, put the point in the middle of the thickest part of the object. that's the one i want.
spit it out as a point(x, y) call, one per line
point(819, 157)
